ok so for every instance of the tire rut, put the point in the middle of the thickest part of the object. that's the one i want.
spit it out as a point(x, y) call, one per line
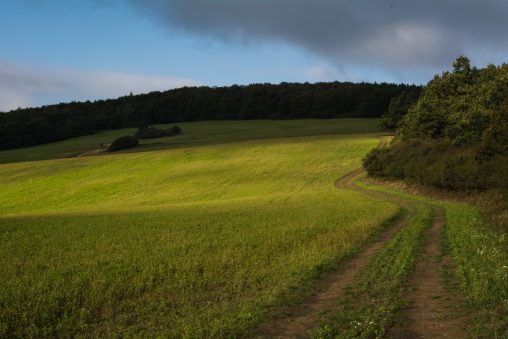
point(304, 317)
point(431, 306)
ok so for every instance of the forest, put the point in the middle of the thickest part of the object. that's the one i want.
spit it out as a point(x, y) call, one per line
point(33, 126)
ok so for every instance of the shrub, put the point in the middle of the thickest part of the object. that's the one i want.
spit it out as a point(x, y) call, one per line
point(440, 164)
point(152, 132)
point(175, 130)
point(149, 133)
point(375, 162)
point(398, 107)
point(494, 141)
point(124, 142)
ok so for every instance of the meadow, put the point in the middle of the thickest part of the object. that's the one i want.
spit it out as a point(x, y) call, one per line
point(196, 235)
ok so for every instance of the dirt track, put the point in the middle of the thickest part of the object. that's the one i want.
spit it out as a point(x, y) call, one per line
point(300, 319)
point(431, 308)
point(429, 303)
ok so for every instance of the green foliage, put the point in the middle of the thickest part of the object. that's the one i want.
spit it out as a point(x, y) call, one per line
point(458, 106)
point(195, 241)
point(124, 142)
point(456, 135)
point(398, 108)
point(175, 130)
point(153, 132)
point(438, 163)
point(149, 133)
point(494, 139)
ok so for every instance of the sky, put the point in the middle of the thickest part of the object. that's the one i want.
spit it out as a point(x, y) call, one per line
point(55, 51)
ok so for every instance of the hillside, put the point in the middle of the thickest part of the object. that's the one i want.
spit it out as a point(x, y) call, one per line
point(34, 126)
point(199, 240)
point(195, 134)
point(238, 229)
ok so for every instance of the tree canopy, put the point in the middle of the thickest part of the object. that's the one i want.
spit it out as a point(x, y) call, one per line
point(463, 107)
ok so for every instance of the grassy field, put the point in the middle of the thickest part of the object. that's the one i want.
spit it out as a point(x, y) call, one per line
point(197, 133)
point(196, 240)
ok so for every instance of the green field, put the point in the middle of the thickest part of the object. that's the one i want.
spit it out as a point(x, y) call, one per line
point(198, 133)
point(198, 235)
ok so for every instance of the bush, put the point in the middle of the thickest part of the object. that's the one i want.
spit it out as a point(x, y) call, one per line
point(175, 130)
point(494, 141)
point(440, 164)
point(375, 162)
point(398, 108)
point(152, 132)
point(149, 133)
point(123, 143)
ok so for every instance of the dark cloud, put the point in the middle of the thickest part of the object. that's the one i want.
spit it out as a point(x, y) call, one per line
point(390, 34)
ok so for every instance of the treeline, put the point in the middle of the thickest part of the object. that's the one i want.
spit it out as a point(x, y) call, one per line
point(456, 134)
point(32, 126)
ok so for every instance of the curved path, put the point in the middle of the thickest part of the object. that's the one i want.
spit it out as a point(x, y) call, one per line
point(425, 317)
point(302, 318)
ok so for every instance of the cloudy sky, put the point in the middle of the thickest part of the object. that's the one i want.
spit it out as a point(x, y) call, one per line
point(55, 50)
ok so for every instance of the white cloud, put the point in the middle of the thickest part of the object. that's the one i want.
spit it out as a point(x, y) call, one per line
point(10, 100)
point(326, 72)
point(29, 85)
point(319, 73)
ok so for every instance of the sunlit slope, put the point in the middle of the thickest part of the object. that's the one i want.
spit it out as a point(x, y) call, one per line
point(196, 241)
point(266, 170)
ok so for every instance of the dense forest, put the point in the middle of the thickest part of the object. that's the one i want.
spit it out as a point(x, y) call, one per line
point(32, 126)
point(455, 136)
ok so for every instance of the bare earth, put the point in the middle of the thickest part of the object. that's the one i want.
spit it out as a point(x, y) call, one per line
point(431, 309)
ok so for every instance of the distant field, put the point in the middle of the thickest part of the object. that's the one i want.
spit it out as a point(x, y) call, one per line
point(195, 240)
point(197, 133)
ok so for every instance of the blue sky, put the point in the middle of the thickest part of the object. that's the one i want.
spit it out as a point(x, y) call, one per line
point(53, 51)
point(87, 36)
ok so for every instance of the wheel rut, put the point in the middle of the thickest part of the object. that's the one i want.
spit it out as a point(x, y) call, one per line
point(431, 312)
point(302, 318)
point(427, 314)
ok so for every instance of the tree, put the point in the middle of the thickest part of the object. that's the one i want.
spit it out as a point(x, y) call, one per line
point(398, 107)
point(123, 143)
point(462, 65)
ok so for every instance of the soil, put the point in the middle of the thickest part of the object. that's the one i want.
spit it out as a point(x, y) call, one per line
point(432, 310)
